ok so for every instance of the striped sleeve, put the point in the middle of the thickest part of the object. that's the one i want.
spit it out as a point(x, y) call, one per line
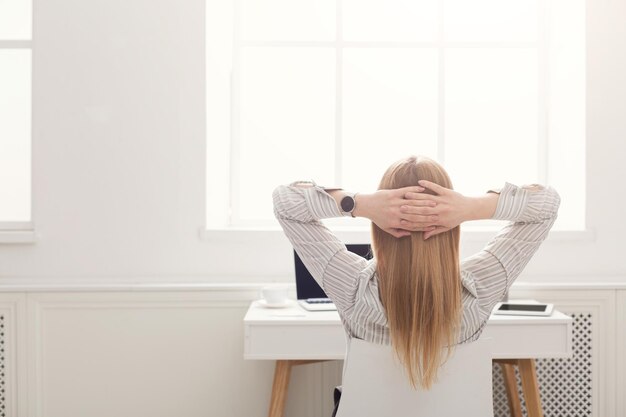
point(531, 212)
point(335, 269)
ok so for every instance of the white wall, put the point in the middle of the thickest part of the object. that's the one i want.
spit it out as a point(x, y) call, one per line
point(119, 147)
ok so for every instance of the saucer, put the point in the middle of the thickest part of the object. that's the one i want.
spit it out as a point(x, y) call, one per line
point(264, 303)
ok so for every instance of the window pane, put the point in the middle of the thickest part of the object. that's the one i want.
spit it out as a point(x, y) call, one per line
point(219, 58)
point(390, 20)
point(288, 20)
point(567, 110)
point(389, 110)
point(287, 123)
point(15, 98)
point(15, 19)
point(491, 109)
point(490, 20)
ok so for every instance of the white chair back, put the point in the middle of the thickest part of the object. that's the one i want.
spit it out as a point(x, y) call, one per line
point(375, 384)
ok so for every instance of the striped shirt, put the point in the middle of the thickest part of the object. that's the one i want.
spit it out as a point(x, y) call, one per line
point(351, 281)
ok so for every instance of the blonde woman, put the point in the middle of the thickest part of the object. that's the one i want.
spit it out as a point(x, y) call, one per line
point(416, 294)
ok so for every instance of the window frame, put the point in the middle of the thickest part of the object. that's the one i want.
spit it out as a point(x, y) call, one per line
point(237, 225)
point(22, 231)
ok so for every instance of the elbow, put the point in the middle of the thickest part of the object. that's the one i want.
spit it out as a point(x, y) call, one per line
point(276, 200)
point(276, 193)
point(556, 198)
point(280, 198)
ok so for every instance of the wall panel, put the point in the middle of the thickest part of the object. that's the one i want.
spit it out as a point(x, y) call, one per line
point(156, 353)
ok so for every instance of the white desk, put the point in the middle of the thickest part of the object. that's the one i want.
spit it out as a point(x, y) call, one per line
point(294, 336)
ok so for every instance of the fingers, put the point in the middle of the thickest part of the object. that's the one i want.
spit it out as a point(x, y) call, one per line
point(434, 232)
point(418, 209)
point(416, 222)
point(417, 196)
point(413, 198)
point(432, 186)
point(398, 233)
point(418, 226)
point(412, 189)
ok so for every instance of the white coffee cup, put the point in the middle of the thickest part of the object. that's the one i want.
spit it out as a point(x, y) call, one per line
point(275, 294)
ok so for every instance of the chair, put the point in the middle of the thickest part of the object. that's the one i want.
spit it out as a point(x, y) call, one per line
point(375, 385)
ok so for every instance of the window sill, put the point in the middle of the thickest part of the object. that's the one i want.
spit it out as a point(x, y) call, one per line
point(9, 236)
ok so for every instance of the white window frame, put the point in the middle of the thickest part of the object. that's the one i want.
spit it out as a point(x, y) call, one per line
point(20, 231)
point(237, 230)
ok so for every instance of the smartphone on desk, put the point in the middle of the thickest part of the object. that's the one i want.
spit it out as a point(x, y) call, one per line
point(523, 309)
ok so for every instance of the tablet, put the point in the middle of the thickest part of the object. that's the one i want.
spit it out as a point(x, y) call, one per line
point(524, 309)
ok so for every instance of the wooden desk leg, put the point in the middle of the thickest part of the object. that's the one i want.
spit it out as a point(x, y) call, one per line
point(282, 372)
point(510, 384)
point(530, 387)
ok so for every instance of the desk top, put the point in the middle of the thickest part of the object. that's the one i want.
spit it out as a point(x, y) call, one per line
point(295, 333)
point(259, 314)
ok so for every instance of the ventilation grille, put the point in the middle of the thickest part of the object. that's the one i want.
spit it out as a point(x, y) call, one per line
point(3, 402)
point(565, 384)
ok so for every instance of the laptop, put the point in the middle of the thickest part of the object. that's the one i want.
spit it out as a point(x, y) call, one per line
point(310, 295)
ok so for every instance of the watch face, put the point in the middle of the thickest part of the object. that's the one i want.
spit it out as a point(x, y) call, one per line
point(347, 204)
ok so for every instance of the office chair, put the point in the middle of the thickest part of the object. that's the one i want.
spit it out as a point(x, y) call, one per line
point(375, 385)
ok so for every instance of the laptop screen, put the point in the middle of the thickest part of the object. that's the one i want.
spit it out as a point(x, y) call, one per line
point(307, 287)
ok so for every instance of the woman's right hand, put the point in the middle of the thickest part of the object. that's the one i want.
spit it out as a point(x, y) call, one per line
point(452, 209)
point(383, 209)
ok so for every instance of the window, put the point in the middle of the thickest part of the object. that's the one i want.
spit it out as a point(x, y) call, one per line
point(15, 114)
point(336, 90)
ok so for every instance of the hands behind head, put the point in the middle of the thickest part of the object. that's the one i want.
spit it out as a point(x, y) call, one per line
point(450, 208)
point(383, 208)
point(402, 211)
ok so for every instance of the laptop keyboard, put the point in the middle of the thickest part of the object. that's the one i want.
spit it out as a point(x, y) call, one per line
point(319, 300)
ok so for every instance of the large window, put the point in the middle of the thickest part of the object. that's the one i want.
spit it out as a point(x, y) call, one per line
point(336, 90)
point(15, 114)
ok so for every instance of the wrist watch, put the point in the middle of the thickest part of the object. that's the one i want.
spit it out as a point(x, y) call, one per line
point(348, 204)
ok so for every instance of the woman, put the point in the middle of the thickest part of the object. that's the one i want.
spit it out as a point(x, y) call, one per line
point(416, 293)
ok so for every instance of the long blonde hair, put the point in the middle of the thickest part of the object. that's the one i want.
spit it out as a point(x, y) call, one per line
point(419, 281)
